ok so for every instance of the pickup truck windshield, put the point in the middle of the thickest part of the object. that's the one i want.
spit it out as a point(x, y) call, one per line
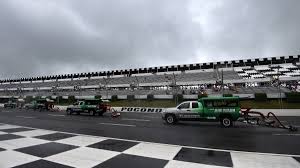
point(184, 106)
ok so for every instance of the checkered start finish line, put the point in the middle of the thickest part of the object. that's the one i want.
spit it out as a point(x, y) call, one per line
point(24, 147)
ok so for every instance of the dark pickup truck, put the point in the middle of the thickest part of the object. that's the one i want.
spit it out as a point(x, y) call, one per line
point(91, 107)
point(10, 104)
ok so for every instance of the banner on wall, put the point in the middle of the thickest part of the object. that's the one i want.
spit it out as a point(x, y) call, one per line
point(139, 109)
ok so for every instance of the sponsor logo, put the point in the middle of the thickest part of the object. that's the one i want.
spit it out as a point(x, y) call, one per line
point(142, 109)
point(224, 110)
point(188, 116)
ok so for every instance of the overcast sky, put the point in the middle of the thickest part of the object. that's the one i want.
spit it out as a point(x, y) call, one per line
point(42, 37)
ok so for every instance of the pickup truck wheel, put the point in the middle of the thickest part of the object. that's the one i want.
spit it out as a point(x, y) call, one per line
point(226, 122)
point(100, 113)
point(171, 119)
point(92, 112)
point(69, 111)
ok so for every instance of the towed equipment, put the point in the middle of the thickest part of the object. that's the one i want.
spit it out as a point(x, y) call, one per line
point(269, 120)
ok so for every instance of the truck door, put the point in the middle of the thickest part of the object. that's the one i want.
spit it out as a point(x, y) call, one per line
point(77, 106)
point(83, 106)
point(197, 109)
point(186, 112)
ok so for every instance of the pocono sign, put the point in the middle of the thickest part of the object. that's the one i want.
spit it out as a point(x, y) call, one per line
point(139, 109)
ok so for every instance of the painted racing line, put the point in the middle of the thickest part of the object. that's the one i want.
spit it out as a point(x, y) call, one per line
point(114, 124)
point(25, 116)
point(135, 119)
point(56, 115)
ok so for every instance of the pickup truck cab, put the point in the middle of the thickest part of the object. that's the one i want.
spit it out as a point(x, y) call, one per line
point(91, 107)
point(39, 104)
point(33, 105)
point(10, 104)
point(222, 109)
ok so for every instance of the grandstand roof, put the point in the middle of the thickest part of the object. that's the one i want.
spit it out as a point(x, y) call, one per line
point(294, 59)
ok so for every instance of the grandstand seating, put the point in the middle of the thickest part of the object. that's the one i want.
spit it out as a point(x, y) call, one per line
point(235, 72)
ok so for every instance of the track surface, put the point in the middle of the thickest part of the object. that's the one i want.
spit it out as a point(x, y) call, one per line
point(151, 128)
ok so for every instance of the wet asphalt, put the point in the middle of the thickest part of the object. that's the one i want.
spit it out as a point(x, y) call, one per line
point(150, 127)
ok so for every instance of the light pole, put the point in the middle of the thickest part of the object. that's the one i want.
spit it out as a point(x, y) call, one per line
point(105, 87)
point(222, 78)
point(176, 89)
point(279, 89)
point(138, 89)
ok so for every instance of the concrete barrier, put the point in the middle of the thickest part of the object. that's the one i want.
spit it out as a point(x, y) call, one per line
point(163, 97)
point(140, 97)
point(280, 112)
point(122, 97)
point(277, 112)
point(61, 108)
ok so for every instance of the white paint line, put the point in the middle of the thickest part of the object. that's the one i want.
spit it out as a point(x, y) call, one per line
point(287, 134)
point(135, 119)
point(191, 147)
point(25, 117)
point(5, 111)
point(125, 125)
point(150, 117)
point(56, 115)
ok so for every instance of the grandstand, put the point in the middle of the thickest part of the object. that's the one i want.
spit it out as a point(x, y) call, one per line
point(240, 77)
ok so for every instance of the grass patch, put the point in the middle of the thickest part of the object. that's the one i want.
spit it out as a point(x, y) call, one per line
point(269, 104)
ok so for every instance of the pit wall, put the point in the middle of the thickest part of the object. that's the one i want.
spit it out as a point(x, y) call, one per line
point(277, 112)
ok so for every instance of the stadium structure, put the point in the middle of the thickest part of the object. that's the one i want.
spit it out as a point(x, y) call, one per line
point(272, 75)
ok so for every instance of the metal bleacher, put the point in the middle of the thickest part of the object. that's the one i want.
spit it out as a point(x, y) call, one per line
point(152, 80)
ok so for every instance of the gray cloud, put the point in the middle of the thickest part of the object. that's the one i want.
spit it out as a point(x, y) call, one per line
point(64, 36)
point(248, 29)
